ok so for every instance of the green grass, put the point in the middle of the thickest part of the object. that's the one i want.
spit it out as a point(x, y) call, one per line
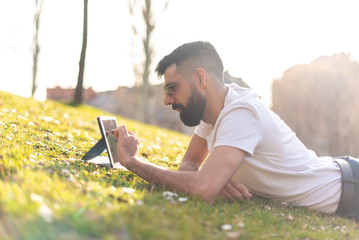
point(47, 193)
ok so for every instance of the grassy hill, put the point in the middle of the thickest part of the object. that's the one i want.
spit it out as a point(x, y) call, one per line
point(47, 193)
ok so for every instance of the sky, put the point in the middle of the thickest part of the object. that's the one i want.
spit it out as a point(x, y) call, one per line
point(258, 39)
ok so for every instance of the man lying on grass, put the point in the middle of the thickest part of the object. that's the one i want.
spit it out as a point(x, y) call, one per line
point(239, 140)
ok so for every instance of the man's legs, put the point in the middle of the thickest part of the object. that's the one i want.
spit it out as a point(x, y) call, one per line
point(349, 207)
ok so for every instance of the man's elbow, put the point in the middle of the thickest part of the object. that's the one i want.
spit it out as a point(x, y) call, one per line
point(207, 193)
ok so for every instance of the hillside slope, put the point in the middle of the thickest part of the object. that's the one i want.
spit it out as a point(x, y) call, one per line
point(47, 193)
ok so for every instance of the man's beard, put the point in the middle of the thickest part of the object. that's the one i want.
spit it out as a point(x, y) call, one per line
point(193, 113)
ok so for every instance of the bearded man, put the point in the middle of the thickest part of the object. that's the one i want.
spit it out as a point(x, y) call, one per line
point(239, 143)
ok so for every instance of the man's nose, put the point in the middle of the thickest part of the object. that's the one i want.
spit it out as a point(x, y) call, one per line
point(168, 100)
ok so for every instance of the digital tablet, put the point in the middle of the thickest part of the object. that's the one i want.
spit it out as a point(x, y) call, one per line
point(106, 124)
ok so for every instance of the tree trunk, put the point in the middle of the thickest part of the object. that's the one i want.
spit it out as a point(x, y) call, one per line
point(145, 88)
point(36, 46)
point(143, 92)
point(78, 98)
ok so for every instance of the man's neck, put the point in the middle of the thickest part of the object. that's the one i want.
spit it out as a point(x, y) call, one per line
point(215, 103)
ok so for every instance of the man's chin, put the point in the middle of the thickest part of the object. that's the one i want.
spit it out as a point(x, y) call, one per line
point(189, 122)
point(191, 125)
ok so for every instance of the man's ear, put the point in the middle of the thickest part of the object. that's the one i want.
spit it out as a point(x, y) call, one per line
point(200, 77)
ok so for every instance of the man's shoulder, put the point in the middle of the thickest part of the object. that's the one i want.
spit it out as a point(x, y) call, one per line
point(238, 100)
point(238, 95)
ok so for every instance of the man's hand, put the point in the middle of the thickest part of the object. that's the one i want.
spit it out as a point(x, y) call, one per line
point(233, 190)
point(127, 145)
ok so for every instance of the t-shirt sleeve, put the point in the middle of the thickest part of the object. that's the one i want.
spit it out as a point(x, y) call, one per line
point(239, 128)
point(203, 130)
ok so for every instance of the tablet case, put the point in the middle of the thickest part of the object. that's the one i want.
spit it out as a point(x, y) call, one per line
point(96, 150)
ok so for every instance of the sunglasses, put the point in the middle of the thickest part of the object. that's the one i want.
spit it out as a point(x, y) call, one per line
point(170, 88)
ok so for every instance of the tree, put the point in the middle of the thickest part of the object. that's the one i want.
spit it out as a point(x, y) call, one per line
point(36, 45)
point(320, 102)
point(148, 17)
point(78, 98)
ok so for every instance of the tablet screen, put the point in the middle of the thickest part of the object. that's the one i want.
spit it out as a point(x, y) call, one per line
point(106, 125)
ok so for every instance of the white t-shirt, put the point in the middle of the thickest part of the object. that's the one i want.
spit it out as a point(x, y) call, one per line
point(277, 164)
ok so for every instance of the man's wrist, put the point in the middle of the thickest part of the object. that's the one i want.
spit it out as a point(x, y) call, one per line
point(129, 162)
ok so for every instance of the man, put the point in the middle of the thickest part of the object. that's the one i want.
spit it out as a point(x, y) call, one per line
point(238, 140)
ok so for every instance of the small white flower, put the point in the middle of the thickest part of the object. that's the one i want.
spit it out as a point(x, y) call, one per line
point(65, 172)
point(32, 156)
point(128, 190)
point(45, 212)
point(290, 217)
point(48, 118)
point(240, 224)
point(36, 198)
point(88, 136)
point(22, 117)
point(182, 199)
point(169, 195)
point(226, 227)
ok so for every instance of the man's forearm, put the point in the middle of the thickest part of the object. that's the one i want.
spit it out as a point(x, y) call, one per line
point(195, 155)
point(182, 181)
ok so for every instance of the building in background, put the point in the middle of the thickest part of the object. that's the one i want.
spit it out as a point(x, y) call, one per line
point(123, 102)
point(66, 95)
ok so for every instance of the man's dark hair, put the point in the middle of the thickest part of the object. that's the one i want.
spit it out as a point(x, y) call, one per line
point(191, 56)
